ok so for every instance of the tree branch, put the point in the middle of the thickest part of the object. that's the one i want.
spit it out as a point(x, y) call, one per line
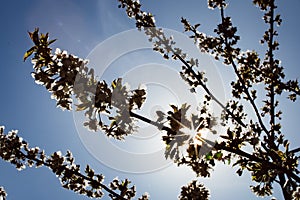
point(238, 152)
point(271, 62)
point(208, 92)
point(251, 100)
point(76, 173)
point(264, 162)
point(282, 183)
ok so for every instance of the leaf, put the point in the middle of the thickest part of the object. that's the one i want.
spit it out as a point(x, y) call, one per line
point(50, 42)
point(81, 107)
point(218, 155)
point(174, 108)
point(225, 137)
point(239, 172)
point(228, 161)
point(172, 153)
point(113, 123)
point(209, 156)
point(160, 115)
point(28, 53)
point(34, 36)
point(196, 26)
point(116, 83)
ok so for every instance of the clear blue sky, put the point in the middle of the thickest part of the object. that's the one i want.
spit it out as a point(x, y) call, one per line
point(79, 27)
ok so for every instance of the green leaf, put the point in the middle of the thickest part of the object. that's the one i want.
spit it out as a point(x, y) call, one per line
point(228, 161)
point(218, 155)
point(209, 156)
point(28, 53)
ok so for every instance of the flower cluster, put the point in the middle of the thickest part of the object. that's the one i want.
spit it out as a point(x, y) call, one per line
point(15, 150)
point(194, 191)
point(65, 75)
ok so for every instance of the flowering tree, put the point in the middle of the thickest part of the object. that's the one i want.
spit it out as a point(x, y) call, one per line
point(256, 145)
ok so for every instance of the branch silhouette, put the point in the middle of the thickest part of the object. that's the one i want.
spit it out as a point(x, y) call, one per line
point(113, 108)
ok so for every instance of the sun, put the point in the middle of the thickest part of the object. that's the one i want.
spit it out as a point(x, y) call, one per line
point(197, 137)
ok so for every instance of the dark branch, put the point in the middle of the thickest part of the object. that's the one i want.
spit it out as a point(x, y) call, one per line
point(251, 100)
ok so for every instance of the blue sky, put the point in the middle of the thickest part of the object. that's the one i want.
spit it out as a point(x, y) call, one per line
point(80, 26)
